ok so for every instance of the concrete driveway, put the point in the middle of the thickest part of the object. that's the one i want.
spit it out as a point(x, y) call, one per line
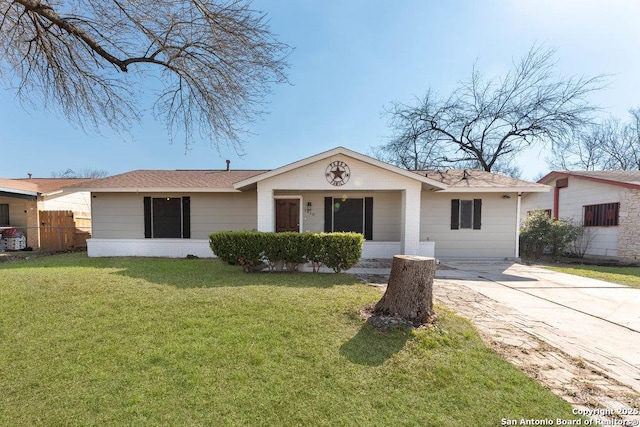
point(596, 321)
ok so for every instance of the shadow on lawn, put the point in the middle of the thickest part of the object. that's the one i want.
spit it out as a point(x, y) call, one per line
point(180, 273)
point(214, 273)
point(371, 347)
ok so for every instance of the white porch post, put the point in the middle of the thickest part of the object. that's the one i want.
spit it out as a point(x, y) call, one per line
point(266, 209)
point(410, 220)
point(518, 213)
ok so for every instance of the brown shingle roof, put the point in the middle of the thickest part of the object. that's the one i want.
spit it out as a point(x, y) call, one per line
point(465, 179)
point(222, 180)
point(18, 185)
point(168, 179)
point(40, 185)
point(50, 185)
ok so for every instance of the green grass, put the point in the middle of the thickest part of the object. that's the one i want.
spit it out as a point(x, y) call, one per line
point(629, 276)
point(194, 342)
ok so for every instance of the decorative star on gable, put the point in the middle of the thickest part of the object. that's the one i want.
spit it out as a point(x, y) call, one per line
point(337, 173)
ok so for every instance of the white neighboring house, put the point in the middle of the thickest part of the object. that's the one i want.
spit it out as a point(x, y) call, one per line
point(607, 202)
point(447, 214)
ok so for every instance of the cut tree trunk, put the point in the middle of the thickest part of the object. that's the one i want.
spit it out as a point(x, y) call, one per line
point(409, 294)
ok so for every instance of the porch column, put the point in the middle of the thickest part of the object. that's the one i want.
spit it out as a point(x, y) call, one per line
point(518, 213)
point(266, 209)
point(410, 220)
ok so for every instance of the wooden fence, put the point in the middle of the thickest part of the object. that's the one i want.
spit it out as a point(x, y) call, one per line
point(62, 230)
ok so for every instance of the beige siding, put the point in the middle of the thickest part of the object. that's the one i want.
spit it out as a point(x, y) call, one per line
point(117, 216)
point(17, 208)
point(496, 238)
point(222, 211)
point(23, 215)
point(121, 216)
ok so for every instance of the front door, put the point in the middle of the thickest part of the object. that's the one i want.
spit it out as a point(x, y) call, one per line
point(287, 215)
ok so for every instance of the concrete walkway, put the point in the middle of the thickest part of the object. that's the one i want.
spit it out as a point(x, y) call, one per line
point(580, 337)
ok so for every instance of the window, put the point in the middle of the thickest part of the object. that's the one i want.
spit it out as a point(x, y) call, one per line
point(4, 214)
point(346, 214)
point(603, 215)
point(466, 214)
point(167, 217)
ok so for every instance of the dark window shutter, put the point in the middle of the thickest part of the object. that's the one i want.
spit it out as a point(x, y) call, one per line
point(455, 214)
point(186, 217)
point(477, 214)
point(147, 217)
point(4, 214)
point(328, 214)
point(368, 218)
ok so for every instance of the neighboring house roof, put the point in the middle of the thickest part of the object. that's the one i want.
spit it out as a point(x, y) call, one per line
point(169, 180)
point(49, 186)
point(475, 180)
point(34, 187)
point(238, 180)
point(621, 178)
point(18, 188)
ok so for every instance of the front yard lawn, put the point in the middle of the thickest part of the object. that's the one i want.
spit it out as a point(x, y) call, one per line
point(629, 276)
point(133, 341)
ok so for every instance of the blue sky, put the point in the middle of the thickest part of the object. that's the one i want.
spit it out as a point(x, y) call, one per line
point(351, 59)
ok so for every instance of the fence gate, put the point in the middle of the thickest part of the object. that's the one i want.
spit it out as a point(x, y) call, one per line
point(57, 230)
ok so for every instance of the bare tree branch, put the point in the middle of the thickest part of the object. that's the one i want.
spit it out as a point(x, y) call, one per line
point(487, 121)
point(607, 145)
point(211, 64)
point(81, 173)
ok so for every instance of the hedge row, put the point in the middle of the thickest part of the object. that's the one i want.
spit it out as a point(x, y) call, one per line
point(338, 251)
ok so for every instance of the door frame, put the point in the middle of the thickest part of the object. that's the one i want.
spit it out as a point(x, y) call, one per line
point(300, 210)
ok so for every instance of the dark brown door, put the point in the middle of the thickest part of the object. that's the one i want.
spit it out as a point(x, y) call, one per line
point(287, 215)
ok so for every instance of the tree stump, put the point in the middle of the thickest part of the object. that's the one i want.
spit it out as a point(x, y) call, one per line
point(409, 294)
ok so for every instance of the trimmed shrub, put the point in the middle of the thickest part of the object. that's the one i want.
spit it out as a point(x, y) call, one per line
point(342, 250)
point(338, 251)
point(238, 247)
point(293, 250)
point(274, 248)
point(312, 246)
point(224, 246)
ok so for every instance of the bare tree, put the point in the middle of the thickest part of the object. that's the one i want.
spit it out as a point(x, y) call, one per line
point(81, 173)
point(610, 144)
point(585, 150)
point(210, 64)
point(489, 121)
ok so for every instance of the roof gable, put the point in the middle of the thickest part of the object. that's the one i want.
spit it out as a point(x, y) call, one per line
point(336, 152)
point(620, 178)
